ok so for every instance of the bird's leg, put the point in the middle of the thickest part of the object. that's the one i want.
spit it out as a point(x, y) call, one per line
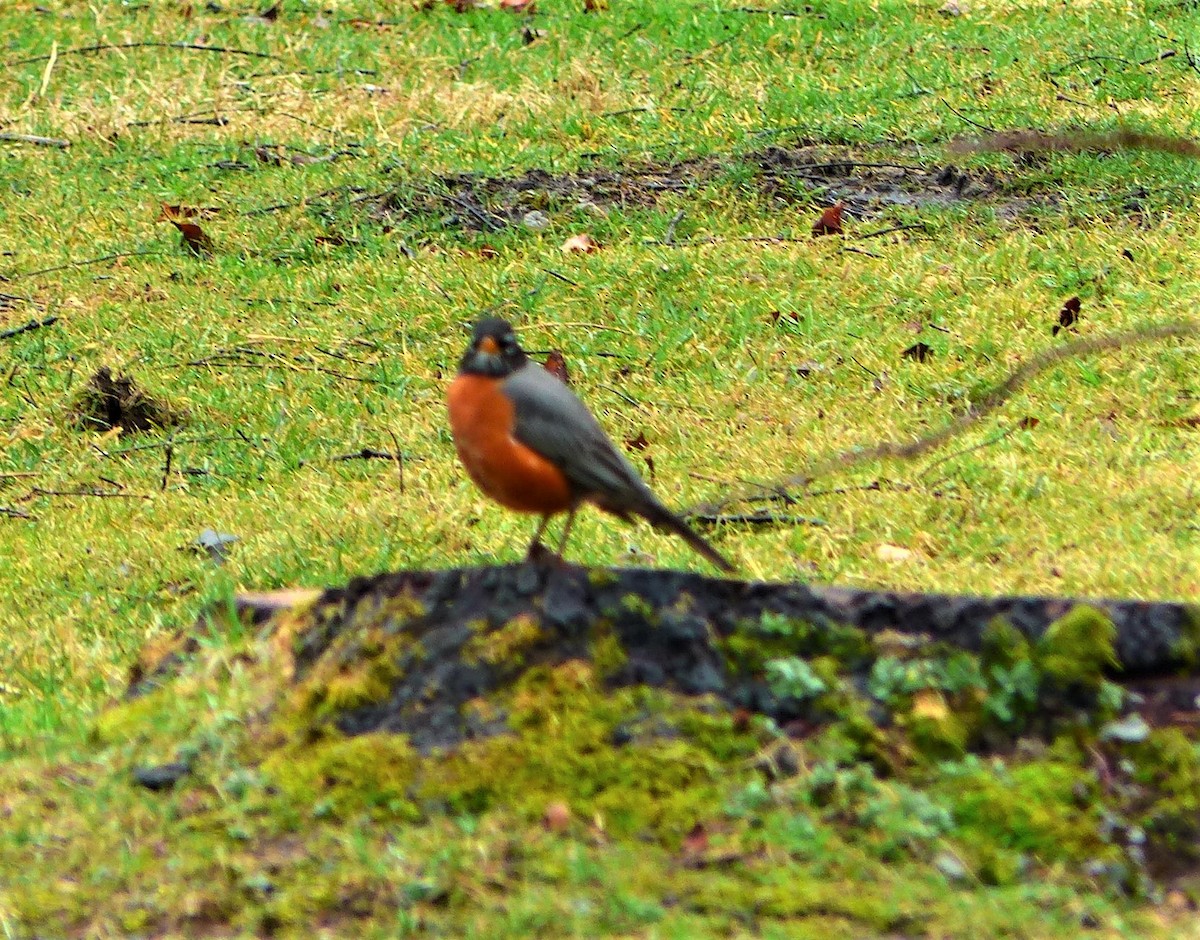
point(537, 538)
point(566, 532)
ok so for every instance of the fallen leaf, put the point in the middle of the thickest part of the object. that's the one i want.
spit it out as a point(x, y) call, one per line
point(594, 6)
point(518, 6)
point(830, 221)
point(893, 553)
point(1028, 423)
point(1068, 316)
point(215, 543)
point(696, 841)
point(637, 443)
point(919, 352)
point(557, 817)
point(929, 703)
point(193, 238)
point(272, 154)
point(581, 243)
point(556, 365)
point(487, 252)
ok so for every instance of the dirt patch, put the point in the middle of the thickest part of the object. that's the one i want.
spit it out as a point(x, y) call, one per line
point(107, 402)
point(813, 175)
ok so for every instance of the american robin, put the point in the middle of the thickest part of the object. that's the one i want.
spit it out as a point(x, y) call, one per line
point(529, 443)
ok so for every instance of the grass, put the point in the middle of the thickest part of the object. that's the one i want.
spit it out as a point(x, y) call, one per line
point(324, 322)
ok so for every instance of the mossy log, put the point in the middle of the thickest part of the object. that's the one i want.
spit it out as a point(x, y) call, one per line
point(406, 651)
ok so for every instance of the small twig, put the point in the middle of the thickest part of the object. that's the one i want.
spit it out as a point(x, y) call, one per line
point(954, 110)
point(994, 439)
point(561, 277)
point(888, 231)
point(36, 140)
point(80, 264)
point(28, 327)
point(761, 517)
point(979, 409)
point(106, 494)
point(307, 199)
point(669, 237)
point(366, 453)
point(110, 47)
point(399, 459)
point(170, 452)
point(767, 11)
point(10, 513)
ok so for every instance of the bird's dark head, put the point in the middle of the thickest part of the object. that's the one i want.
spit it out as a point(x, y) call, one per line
point(494, 350)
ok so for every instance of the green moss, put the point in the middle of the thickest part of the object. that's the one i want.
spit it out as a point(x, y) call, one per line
point(1077, 648)
point(666, 775)
point(1187, 647)
point(507, 643)
point(1030, 808)
point(934, 728)
point(358, 669)
point(129, 721)
point(602, 577)
point(1003, 644)
point(640, 607)
point(341, 776)
point(608, 655)
point(1167, 763)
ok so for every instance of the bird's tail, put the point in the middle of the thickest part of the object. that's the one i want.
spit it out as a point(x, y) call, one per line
point(662, 518)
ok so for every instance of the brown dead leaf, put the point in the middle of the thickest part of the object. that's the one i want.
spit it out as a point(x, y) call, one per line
point(1028, 423)
point(1068, 316)
point(830, 221)
point(637, 443)
point(918, 352)
point(557, 817)
point(594, 6)
point(580, 243)
point(193, 238)
point(556, 365)
point(929, 703)
point(696, 841)
point(488, 252)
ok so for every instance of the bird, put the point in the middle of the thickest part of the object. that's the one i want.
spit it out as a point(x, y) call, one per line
point(528, 441)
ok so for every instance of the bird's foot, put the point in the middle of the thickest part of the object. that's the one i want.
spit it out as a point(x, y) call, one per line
point(541, 556)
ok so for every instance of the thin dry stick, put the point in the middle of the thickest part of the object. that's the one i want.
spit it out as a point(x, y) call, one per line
point(979, 410)
point(80, 264)
point(110, 47)
point(28, 327)
point(36, 140)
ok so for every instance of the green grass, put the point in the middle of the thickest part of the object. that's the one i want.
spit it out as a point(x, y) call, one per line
point(674, 341)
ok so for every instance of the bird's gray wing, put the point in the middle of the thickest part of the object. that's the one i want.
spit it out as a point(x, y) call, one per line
point(554, 422)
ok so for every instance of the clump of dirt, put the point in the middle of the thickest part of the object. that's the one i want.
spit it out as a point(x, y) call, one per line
point(108, 402)
point(406, 652)
point(813, 173)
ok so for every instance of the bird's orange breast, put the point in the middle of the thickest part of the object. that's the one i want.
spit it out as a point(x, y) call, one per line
point(482, 419)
